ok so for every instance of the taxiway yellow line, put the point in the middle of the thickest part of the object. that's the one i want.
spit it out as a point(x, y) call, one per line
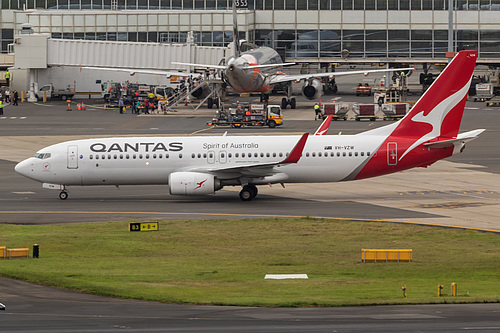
point(202, 130)
point(41, 104)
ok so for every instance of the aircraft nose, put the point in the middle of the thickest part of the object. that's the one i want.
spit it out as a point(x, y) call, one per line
point(24, 168)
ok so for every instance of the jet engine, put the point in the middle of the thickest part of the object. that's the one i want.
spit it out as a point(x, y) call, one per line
point(193, 183)
point(201, 92)
point(312, 89)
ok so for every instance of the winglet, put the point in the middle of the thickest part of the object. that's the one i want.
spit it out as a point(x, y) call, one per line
point(296, 152)
point(325, 125)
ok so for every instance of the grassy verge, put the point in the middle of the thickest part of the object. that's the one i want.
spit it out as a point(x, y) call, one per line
point(225, 261)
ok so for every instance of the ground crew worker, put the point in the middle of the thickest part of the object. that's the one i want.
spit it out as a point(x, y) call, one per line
point(317, 111)
point(16, 97)
point(121, 105)
point(1, 107)
point(7, 77)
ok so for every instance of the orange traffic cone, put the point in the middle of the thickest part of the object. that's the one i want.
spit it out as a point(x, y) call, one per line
point(83, 106)
point(104, 107)
point(69, 105)
point(78, 107)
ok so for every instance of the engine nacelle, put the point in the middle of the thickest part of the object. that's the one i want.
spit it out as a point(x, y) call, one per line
point(193, 183)
point(312, 89)
point(201, 92)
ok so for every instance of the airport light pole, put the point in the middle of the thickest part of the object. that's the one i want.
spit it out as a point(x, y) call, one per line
point(450, 52)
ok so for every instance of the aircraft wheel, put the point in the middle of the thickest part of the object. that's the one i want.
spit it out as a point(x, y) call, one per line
point(63, 195)
point(210, 103)
point(293, 103)
point(284, 103)
point(253, 189)
point(246, 194)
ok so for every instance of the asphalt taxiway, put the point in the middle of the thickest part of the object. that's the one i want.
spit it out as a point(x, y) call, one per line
point(461, 191)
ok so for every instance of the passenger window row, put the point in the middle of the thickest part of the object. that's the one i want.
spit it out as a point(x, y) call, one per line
point(238, 155)
point(338, 154)
point(128, 156)
point(223, 155)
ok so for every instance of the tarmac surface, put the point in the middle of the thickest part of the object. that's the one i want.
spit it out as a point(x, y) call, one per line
point(462, 191)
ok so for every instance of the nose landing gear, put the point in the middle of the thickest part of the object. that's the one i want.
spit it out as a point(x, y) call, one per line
point(63, 195)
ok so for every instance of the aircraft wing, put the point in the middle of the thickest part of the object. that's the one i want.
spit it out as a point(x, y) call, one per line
point(461, 138)
point(259, 169)
point(199, 65)
point(133, 71)
point(225, 67)
point(282, 78)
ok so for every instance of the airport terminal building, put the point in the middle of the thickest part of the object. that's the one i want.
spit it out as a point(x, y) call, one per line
point(304, 30)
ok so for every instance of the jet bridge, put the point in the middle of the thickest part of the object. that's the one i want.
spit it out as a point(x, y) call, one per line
point(39, 60)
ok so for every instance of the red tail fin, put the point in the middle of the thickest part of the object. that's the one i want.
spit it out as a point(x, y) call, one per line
point(439, 111)
point(435, 117)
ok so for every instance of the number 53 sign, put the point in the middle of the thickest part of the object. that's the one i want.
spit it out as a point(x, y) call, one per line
point(241, 3)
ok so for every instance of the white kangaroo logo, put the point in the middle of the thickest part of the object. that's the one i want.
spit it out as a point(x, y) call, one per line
point(436, 116)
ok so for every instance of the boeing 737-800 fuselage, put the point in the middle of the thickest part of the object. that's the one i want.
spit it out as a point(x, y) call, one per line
point(203, 165)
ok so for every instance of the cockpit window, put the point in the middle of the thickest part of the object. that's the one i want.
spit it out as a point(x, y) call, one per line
point(42, 156)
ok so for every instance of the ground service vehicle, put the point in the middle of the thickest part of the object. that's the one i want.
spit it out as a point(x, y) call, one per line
point(366, 111)
point(50, 92)
point(336, 110)
point(363, 90)
point(484, 92)
point(246, 114)
point(111, 92)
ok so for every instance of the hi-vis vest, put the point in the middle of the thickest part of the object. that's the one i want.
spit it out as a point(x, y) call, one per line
point(7, 75)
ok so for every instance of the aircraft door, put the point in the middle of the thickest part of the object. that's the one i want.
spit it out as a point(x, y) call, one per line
point(72, 157)
point(222, 157)
point(210, 157)
point(392, 153)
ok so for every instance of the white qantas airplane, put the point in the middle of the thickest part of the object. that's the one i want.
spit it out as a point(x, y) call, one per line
point(203, 165)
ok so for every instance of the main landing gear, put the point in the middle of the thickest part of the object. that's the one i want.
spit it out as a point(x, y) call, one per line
point(288, 100)
point(248, 192)
point(291, 101)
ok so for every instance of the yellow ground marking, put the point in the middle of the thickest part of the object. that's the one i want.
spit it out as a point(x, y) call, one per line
point(202, 130)
point(42, 104)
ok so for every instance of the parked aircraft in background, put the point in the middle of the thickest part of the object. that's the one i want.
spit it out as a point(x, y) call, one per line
point(257, 69)
point(203, 165)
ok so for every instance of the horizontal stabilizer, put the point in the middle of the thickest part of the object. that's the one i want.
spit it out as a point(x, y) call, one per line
point(461, 138)
point(271, 65)
point(325, 125)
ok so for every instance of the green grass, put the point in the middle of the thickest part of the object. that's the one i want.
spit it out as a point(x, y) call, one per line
point(225, 261)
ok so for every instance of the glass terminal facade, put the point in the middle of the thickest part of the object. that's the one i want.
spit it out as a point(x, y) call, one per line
point(301, 28)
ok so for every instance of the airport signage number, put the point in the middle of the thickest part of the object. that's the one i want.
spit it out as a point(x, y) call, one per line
point(144, 226)
point(241, 3)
